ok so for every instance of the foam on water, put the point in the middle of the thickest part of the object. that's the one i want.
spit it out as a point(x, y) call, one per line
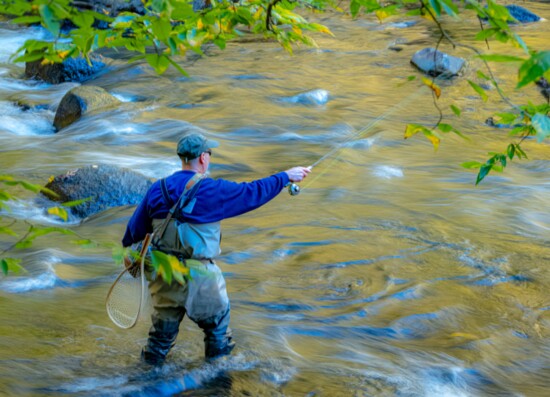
point(13, 39)
point(20, 285)
point(151, 167)
point(387, 172)
point(31, 122)
point(11, 85)
point(124, 98)
point(168, 380)
point(31, 211)
point(314, 97)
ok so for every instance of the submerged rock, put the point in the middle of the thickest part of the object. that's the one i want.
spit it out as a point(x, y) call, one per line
point(544, 87)
point(79, 101)
point(491, 122)
point(106, 186)
point(72, 69)
point(435, 63)
point(313, 97)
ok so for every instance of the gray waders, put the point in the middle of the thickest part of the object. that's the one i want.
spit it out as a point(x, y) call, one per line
point(203, 297)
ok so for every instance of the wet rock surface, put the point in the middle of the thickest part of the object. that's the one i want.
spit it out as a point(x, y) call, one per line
point(72, 69)
point(522, 15)
point(437, 63)
point(79, 101)
point(105, 186)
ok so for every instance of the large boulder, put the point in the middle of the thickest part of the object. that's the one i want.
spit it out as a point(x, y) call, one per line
point(79, 101)
point(522, 15)
point(435, 63)
point(106, 186)
point(72, 69)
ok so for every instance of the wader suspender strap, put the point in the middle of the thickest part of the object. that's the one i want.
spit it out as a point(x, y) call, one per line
point(188, 193)
point(165, 193)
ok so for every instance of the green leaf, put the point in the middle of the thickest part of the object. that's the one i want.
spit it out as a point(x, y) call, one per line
point(178, 67)
point(445, 127)
point(413, 129)
point(5, 196)
point(483, 172)
point(59, 10)
point(479, 90)
point(456, 110)
point(500, 58)
point(136, 58)
point(487, 33)
point(510, 151)
point(60, 212)
point(449, 7)
point(27, 19)
point(49, 19)
point(10, 264)
point(161, 261)
point(520, 43)
point(507, 118)
point(518, 130)
point(460, 134)
point(472, 165)
point(520, 153)
point(482, 75)
point(220, 42)
point(83, 19)
point(533, 68)
point(162, 29)
point(436, 7)
point(24, 244)
point(541, 124)
point(159, 62)
point(502, 159)
point(182, 12)
point(47, 230)
point(411, 78)
point(31, 187)
point(74, 203)
point(354, 7)
point(86, 243)
point(7, 230)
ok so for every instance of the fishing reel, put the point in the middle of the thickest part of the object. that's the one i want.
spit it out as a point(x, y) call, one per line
point(293, 189)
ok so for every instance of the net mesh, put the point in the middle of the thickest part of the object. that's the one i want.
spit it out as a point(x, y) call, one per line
point(125, 299)
point(128, 299)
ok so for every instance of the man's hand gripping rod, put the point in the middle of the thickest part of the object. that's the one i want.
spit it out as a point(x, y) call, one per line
point(293, 188)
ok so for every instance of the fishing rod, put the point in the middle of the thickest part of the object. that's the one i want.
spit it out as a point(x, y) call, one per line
point(294, 189)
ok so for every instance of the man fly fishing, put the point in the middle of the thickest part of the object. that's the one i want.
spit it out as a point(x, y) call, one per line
point(184, 211)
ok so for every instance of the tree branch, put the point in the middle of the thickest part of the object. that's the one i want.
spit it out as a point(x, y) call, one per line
point(268, 23)
point(473, 49)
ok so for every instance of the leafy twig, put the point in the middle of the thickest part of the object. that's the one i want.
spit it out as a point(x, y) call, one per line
point(268, 23)
point(473, 49)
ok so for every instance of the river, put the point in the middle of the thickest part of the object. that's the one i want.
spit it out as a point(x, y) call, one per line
point(391, 274)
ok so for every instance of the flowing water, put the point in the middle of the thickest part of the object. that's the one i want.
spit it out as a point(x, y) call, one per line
point(390, 275)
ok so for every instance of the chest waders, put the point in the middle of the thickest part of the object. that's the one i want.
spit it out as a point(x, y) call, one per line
point(203, 297)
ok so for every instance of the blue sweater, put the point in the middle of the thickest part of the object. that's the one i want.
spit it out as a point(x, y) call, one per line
point(217, 199)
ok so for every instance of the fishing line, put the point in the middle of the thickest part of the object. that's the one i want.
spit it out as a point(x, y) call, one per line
point(294, 189)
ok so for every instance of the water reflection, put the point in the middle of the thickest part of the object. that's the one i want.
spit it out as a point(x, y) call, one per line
point(390, 275)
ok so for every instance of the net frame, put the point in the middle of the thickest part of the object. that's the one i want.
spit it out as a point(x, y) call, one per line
point(123, 315)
